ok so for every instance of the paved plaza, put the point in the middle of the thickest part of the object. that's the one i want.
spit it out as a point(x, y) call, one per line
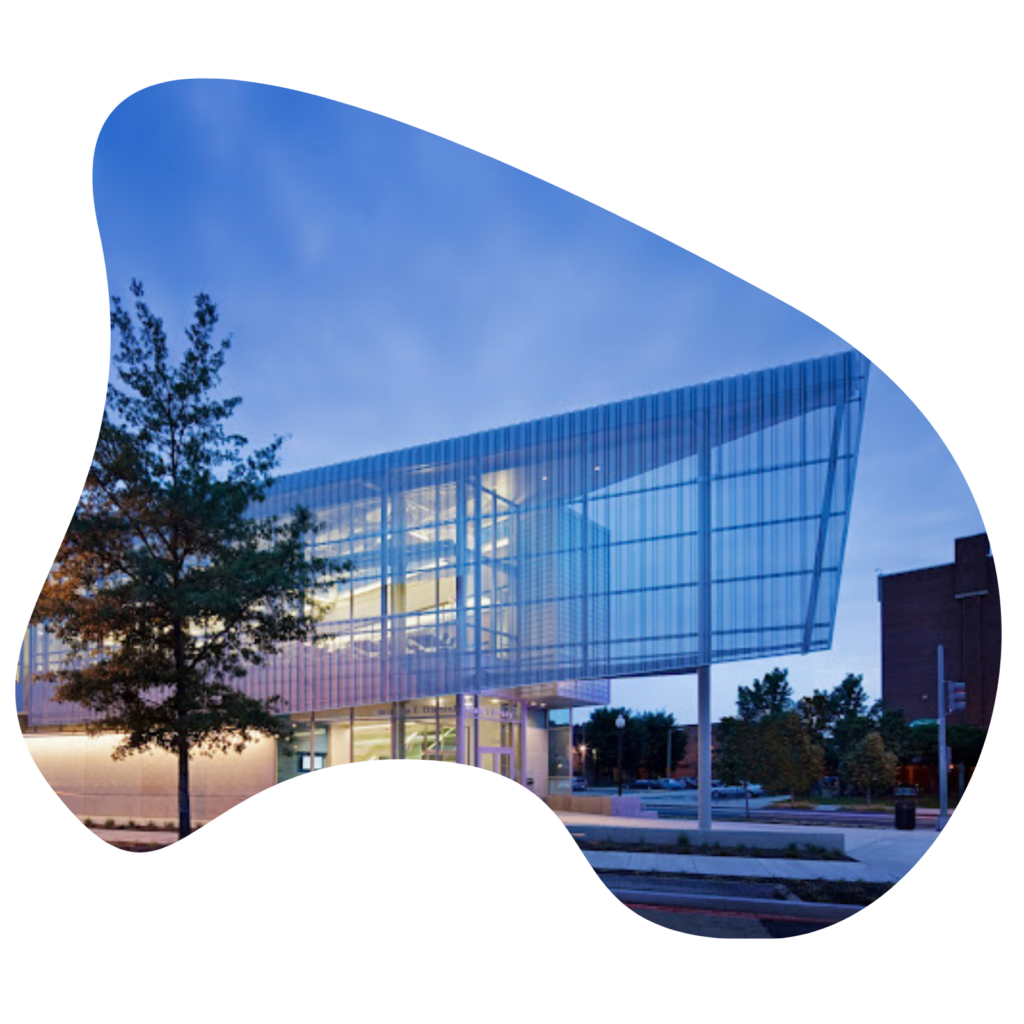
point(879, 854)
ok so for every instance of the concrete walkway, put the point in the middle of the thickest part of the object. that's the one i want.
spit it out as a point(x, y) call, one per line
point(879, 854)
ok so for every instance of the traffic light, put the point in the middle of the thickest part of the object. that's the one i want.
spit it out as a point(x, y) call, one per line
point(956, 696)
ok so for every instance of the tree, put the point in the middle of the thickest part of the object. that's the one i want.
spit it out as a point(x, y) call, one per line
point(652, 730)
point(603, 738)
point(895, 730)
point(166, 587)
point(849, 698)
point(818, 714)
point(764, 698)
point(868, 765)
point(791, 761)
point(922, 743)
point(739, 753)
point(851, 722)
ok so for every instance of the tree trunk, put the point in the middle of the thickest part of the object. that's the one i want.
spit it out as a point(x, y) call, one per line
point(184, 803)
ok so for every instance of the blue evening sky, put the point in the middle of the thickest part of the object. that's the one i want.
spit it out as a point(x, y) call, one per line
point(386, 287)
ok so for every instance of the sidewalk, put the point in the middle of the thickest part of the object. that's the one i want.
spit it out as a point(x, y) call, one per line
point(879, 854)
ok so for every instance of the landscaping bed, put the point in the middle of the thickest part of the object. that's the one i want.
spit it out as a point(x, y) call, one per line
point(794, 851)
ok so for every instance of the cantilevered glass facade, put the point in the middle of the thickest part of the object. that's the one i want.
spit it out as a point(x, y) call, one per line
point(697, 525)
point(649, 536)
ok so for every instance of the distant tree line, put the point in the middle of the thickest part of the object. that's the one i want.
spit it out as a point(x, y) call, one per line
point(645, 744)
point(792, 746)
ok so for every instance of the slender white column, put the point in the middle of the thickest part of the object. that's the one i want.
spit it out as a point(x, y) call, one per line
point(704, 611)
point(704, 747)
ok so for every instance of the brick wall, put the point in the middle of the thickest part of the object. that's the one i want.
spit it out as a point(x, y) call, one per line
point(956, 605)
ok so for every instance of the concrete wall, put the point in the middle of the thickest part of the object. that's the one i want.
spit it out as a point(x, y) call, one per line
point(832, 839)
point(615, 806)
point(144, 787)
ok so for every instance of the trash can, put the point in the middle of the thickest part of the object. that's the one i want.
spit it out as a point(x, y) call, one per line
point(906, 807)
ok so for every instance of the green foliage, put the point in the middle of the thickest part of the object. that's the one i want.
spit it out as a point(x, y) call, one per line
point(818, 713)
point(644, 741)
point(894, 729)
point(777, 750)
point(964, 741)
point(849, 699)
point(764, 698)
point(792, 761)
point(738, 751)
point(165, 588)
point(869, 766)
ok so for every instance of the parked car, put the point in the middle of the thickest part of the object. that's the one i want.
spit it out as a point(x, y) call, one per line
point(670, 784)
point(720, 790)
point(645, 784)
point(578, 783)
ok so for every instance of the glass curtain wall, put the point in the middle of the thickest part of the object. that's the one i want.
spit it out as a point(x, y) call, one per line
point(699, 525)
point(654, 535)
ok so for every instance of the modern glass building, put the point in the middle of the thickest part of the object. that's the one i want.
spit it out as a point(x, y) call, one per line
point(505, 577)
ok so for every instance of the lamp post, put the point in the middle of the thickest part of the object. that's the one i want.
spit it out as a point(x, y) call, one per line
point(620, 724)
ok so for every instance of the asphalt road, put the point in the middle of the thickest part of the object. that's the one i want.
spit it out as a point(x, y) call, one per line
point(726, 924)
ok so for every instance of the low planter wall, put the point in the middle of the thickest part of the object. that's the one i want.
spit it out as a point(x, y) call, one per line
point(610, 806)
point(774, 840)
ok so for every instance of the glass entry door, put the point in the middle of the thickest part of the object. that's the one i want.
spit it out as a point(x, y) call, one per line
point(497, 802)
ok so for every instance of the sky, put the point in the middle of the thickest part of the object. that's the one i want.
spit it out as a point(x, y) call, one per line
point(385, 287)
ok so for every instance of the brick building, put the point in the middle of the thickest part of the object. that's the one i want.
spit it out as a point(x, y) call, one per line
point(956, 605)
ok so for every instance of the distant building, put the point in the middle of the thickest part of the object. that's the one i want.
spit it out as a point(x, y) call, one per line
point(956, 605)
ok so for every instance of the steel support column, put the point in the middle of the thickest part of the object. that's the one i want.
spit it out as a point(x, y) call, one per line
point(704, 611)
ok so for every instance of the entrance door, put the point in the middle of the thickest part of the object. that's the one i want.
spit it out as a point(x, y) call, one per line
point(497, 802)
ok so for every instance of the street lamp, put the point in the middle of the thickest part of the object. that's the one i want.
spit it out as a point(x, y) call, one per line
point(620, 724)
